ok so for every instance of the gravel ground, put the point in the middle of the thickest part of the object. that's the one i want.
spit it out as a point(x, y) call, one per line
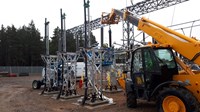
point(16, 95)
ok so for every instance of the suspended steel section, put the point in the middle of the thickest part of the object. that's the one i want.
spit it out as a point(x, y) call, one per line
point(139, 8)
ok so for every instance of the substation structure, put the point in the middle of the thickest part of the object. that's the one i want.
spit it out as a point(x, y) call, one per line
point(50, 77)
point(100, 61)
point(139, 8)
point(69, 74)
point(60, 74)
point(60, 70)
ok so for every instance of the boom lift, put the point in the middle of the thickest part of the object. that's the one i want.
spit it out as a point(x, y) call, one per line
point(154, 67)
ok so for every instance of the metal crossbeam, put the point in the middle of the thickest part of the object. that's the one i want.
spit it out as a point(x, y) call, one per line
point(139, 8)
point(148, 6)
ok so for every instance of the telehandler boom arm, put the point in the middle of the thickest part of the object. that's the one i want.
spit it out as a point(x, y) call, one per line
point(186, 46)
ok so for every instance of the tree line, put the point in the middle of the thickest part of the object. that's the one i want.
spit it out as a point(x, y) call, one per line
point(23, 46)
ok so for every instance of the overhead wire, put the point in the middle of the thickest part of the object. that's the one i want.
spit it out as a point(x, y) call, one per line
point(173, 14)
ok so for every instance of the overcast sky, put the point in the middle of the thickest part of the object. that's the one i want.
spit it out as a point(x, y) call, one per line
point(21, 12)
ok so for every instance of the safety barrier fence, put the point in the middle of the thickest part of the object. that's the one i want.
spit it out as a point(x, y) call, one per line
point(21, 69)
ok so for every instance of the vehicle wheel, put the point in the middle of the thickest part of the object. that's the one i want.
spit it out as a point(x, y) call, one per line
point(131, 100)
point(176, 100)
point(36, 84)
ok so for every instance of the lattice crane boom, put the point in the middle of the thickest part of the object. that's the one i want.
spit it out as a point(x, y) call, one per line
point(139, 8)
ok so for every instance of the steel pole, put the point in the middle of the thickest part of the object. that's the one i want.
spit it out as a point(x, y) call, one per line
point(46, 37)
point(85, 36)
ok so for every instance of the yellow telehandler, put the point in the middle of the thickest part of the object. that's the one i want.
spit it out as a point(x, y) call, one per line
point(154, 67)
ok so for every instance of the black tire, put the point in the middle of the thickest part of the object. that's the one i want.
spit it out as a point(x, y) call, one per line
point(188, 101)
point(131, 100)
point(36, 84)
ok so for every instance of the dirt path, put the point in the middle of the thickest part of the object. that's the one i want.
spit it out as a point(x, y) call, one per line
point(16, 95)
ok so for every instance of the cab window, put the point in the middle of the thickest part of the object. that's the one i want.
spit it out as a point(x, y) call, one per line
point(137, 62)
point(165, 57)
